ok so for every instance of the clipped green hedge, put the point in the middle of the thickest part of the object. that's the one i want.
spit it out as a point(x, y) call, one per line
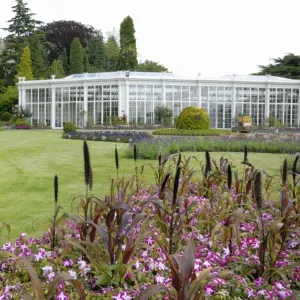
point(192, 132)
point(193, 118)
point(69, 127)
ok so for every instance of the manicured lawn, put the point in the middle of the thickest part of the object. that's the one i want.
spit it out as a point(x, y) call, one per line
point(30, 159)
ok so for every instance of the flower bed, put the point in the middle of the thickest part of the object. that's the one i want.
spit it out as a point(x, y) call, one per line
point(262, 143)
point(108, 136)
point(22, 126)
point(214, 236)
point(180, 132)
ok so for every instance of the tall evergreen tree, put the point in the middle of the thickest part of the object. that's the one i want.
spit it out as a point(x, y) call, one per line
point(21, 26)
point(76, 57)
point(288, 66)
point(57, 69)
point(65, 61)
point(96, 53)
point(85, 61)
point(128, 51)
point(112, 53)
point(25, 65)
point(38, 57)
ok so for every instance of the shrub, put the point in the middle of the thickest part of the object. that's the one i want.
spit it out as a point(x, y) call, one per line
point(193, 118)
point(21, 122)
point(6, 116)
point(69, 127)
point(196, 132)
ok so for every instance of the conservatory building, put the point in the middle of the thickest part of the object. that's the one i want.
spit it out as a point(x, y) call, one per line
point(97, 98)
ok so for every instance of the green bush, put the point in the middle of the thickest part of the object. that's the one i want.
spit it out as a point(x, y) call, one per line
point(69, 127)
point(5, 117)
point(22, 122)
point(193, 132)
point(193, 118)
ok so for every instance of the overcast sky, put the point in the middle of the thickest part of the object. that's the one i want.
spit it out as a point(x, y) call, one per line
point(213, 37)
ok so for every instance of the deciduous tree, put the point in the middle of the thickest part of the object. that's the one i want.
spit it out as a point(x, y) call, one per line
point(61, 35)
point(150, 66)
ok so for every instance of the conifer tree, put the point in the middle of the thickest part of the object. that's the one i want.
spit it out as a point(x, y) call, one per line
point(65, 61)
point(57, 69)
point(25, 65)
point(21, 26)
point(112, 53)
point(76, 57)
point(128, 51)
point(96, 53)
point(85, 61)
point(38, 57)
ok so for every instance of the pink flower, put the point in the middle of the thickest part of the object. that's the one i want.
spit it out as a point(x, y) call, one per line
point(209, 289)
point(62, 296)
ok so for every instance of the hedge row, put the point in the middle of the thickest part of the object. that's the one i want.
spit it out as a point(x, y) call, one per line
point(201, 132)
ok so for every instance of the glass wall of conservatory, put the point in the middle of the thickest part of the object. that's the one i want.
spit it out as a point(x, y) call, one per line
point(38, 101)
point(217, 102)
point(284, 106)
point(69, 106)
point(142, 102)
point(103, 104)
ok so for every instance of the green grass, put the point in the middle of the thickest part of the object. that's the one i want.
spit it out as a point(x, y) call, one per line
point(30, 159)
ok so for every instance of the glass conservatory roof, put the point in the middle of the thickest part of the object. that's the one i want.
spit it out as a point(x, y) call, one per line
point(160, 75)
point(120, 74)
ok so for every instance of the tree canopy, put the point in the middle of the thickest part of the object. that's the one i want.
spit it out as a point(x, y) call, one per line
point(20, 27)
point(150, 66)
point(288, 66)
point(61, 35)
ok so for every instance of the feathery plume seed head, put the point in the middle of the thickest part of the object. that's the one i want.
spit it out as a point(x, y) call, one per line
point(87, 164)
point(229, 176)
point(176, 185)
point(294, 170)
point(134, 152)
point(257, 190)
point(55, 188)
point(116, 157)
point(245, 154)
point(208, 162)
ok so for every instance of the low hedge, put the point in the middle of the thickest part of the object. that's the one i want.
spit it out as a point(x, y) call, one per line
point(172, 145)
point(108, 136)
point(192, 132)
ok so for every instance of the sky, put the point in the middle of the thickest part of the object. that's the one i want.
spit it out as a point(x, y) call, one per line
point(211, 37)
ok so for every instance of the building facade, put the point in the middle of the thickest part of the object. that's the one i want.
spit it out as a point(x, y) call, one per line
point(97, 98)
